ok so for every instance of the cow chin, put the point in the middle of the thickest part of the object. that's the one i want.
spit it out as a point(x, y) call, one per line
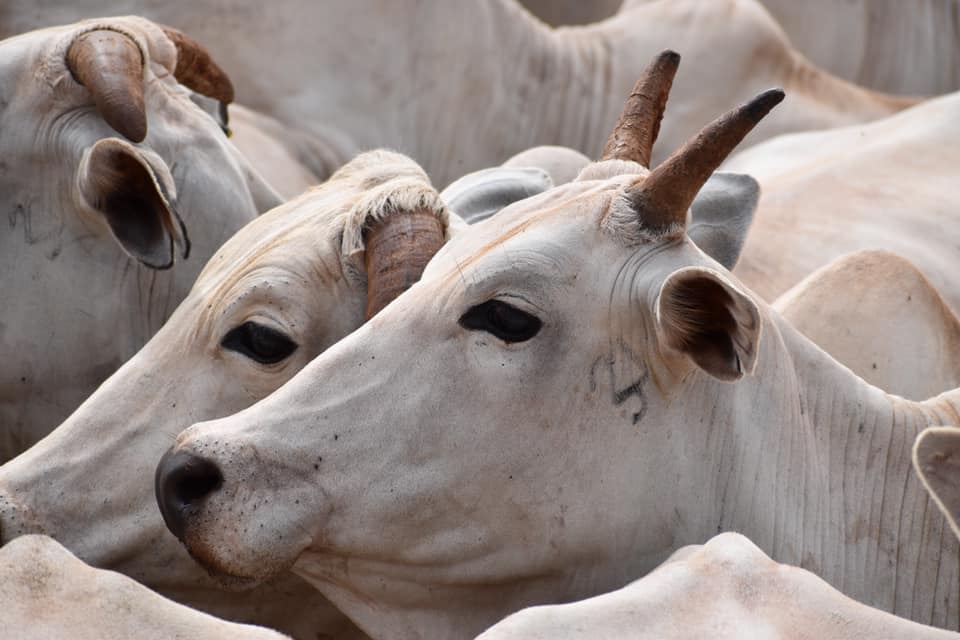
point(235, 569)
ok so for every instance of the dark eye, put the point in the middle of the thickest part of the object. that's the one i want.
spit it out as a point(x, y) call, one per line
point(260, 343)
point(502, 320)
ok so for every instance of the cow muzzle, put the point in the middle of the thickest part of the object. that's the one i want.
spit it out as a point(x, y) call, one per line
point(182, 483)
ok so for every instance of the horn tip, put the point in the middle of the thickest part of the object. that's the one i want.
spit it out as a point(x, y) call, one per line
point(669, 57)
point(764, 103)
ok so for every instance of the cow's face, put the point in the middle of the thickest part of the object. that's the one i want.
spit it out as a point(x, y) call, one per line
point(100, 208)
point(282, 290)
point(483, 432)
point(485, 427)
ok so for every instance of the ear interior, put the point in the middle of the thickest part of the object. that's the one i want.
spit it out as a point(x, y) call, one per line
point(116, 181)
point(936, 458)
point(721, 215)
point(702, 315)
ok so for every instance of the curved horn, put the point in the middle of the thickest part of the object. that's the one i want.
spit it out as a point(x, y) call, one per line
point(396, 252)
point(639, 123)
point(196, 68)
point(666, 194)
point(110, 65)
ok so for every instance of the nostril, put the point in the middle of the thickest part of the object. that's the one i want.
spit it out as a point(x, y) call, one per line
point(182, 481)
point(195, 479)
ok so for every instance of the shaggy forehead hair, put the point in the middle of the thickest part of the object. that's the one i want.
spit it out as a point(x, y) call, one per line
point(385, 183)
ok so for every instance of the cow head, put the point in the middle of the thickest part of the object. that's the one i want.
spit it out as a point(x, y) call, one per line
point(481, 443)
point(282, 290)
point(108, 174)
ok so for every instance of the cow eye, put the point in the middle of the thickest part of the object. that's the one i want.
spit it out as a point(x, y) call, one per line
point(260, 343)
point(502, 320)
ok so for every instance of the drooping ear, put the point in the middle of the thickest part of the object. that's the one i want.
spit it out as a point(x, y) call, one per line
point(702, 314)
point(936, 459)
point(117, 181)
point(479, 195)
point(721, 215)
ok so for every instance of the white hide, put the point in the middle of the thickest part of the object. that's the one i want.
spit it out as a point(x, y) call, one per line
point(890, 45)
point(877, 314)
point(48, 594)
point(726, 589)
point(489, 80)
point(885, 185)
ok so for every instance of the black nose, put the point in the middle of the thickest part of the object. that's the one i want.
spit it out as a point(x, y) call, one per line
point(183, 480)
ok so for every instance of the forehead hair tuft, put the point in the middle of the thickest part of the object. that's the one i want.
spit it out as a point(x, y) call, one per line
point(629, 227)
point(387, 183)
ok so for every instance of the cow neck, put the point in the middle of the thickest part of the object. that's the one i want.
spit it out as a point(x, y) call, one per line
point(559, 80)
point(821, 477)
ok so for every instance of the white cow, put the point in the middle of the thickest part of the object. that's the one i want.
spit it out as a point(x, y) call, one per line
point(887, 185)
point(890, 45)
point(727, 589)
point(572, 391)
point(48, 594)
point(490, 80)
point(877, 314)
point(108, 172)
point(283, 289)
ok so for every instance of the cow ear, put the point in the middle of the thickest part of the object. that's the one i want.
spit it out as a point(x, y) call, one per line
point(721, 215)
point(132, 193)
point(936, 459)
point(478, 195)
point(703, 315)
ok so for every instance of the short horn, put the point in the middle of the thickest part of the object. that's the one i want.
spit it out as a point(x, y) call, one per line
point(639, 123)
point(664, 197)
point(196, 69)
point(110, 65)
point(396, 252)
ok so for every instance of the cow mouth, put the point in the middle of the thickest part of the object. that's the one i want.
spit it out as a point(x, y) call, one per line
point(221, 574)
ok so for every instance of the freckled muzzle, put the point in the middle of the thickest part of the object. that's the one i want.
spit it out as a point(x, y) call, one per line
point(182, 482)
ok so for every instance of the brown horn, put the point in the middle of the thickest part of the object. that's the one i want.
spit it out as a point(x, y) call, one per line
point(666, 194)
point(110, 65)
point(639, 123)
point(396, 252)
point(197, 70)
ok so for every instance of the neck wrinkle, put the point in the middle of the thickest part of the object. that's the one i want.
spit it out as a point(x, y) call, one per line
point(843, 482)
